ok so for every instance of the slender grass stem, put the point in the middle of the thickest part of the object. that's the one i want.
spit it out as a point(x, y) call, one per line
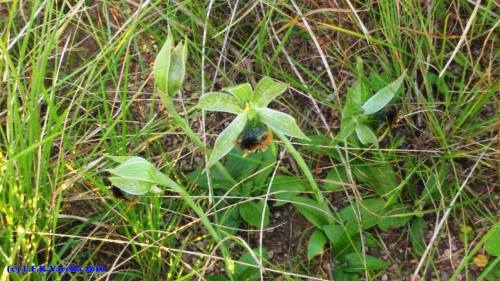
point(303, 166)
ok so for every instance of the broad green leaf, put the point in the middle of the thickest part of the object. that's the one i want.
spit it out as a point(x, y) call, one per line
point(341, 237)
point(380, 176)
point(131, 186)
point(251, 212)
point(336, 179)
point(341, 275)
point(382, 97)
point(177, 68)
point(162, 64)
point(351, 109)
point(136, 168)
point(357, 263)
point(365, 134)
point(316, 245)
point(243, 92)
point(368, 212)
point(316, 214)
point(249, 273)
point(492, 244)
point(266, 90)
point(221, 102)
point(417, 235)
point(394, 217)
point(228, 219)
point(281, 122)
point(227, 139)
point(286, 188)
point(266, 167)
point(240, 166)
point(217, 278)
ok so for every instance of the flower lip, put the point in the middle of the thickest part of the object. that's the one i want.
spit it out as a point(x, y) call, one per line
point(255, 138)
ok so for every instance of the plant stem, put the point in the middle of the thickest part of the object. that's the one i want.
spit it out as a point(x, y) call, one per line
point(303, 166)
point(186, 197)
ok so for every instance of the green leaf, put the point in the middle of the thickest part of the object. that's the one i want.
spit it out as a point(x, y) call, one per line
point(243, 92)
point(131, 186)
point(217, 278)
point(221, 102)
point(227, 139)
point(417, 235)
point(316, 245)
point(394, 217)
point(287, 188)
point(341, 237)
point(341, 275)
point(251, 212)
point(356, 263)
point(266, 167)
point(240, 166)
point(162, 64)
point(365, 134)
point(369, 211)
point(136, 168)
point(382, 97)
point(351, 109)
point(177, 68)
point(281, 122)
point(249, 273)
point(316, 214)
point(492, 244)
point(336, 179)
point(380, 176)
point(266, 90)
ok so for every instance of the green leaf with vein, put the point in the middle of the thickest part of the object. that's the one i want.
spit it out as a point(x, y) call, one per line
point(266, 90)
point(177, 68)
point(131, 186)
point(220, 102)
point(316, 244)
point(281, 122)
point(365, 134)
point(383, 96)
point(251, 212)
point(135, 168)
point(162, 64)
point(226, 140)
point(243, 92)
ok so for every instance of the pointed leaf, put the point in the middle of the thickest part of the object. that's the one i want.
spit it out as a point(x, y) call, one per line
point(365, 134)
point(356, 263)
point(136, 168)
point(316, 245)
point(492, 244)
point(162, 65)
point(227, 139)
point(219, 102)
point(251, 212)
point(177, 68)
point(383, 97)
point(266, 90)
point(315, 213)
point(131, 186)
point(287, 188)
point(243, 92)
point(281, 122)
point(336, 179)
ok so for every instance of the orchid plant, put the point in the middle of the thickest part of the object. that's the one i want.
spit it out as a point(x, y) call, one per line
point(252, 111)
